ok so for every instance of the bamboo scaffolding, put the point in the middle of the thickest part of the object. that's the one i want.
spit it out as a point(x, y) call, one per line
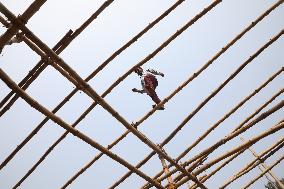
point(68, 38)
point(4, 22)
point(182, 155)
point(58, 48)
point(267, 153)
point(90, 108)
point(31, 10)
point(152, 111)
point(5, 78)
point(219, 88)
point(265, 167)
point(225, 139)
point(93, 94)
point(235, 150)
point(276, 145)
point(266, 170)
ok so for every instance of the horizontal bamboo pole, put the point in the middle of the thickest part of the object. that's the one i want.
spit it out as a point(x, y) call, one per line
point(219, 88)
point(93, 94)
point(266, 170)
point(236, 150)
point(262, 157)
point(12, 30)
point(5, 78)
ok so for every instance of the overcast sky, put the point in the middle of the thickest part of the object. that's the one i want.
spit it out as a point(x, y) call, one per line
point(121, 21)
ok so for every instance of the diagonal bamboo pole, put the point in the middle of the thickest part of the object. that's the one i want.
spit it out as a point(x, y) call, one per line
point(4, 22)
point(279, 144)
point(93, 94)
point(265, 167)
point(235, 150)
point(59, 47)
point(31, 10)
point(266, 170)
point(262, 157)
point(5, 78)
point(63, 44)
point(226, 139)
point(185, 83)
point(219, 88)
point(67, 98)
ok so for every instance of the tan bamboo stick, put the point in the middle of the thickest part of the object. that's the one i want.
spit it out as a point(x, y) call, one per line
point(33, 74)
point(226, 139)
point(31, 10)
point(5, 78)
point(270, 151)
point(264, 166)
point(235, 150)
point(279, 144)
point(93, 94)
point(219, 88)
point(4, 22)
point(266, 170)
point(67, 98)
point(63, 44)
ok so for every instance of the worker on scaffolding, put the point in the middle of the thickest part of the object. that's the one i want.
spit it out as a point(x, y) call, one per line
point(149, 83)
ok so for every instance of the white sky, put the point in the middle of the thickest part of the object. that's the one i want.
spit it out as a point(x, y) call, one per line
point(121, 21)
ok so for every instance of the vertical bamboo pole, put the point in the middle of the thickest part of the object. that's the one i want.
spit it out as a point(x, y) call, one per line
point(166, 170)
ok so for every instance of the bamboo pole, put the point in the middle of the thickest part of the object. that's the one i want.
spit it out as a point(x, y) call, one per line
point(266, 170)
point(235, 150)
point(4, 22)
point(93, 94)
point(268, 152)
point(226, 139)
point(63, 44)
point(264, 166)
point(34, 73)
point(219, 88)
point(5, 78)
point(31, 10)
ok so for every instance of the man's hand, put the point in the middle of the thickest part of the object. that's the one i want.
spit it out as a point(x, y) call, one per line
point(135, 90)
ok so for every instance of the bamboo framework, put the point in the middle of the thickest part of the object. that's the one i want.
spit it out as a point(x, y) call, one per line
point(177, 173)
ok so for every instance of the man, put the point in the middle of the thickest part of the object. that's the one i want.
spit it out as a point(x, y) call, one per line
point(149, 83)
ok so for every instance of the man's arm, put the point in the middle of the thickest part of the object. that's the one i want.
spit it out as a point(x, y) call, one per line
point(155, 72)
point(138, 91)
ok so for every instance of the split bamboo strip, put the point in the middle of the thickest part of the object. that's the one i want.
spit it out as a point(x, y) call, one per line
point(226, 139)
point(267, 153)
point(59, 47)
point(5, 78)
point(185, 83)
point(4, 22)
point(31, 10)
point(65, 42)
point(93, 94)
point(265, 167)
point(70, 38)
point(277, 144)
point(108, 60)
point(219, 88)
point(266, 170)
point(236, 150)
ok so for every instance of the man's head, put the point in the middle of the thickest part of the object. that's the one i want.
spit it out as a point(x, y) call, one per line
point(138, 70)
